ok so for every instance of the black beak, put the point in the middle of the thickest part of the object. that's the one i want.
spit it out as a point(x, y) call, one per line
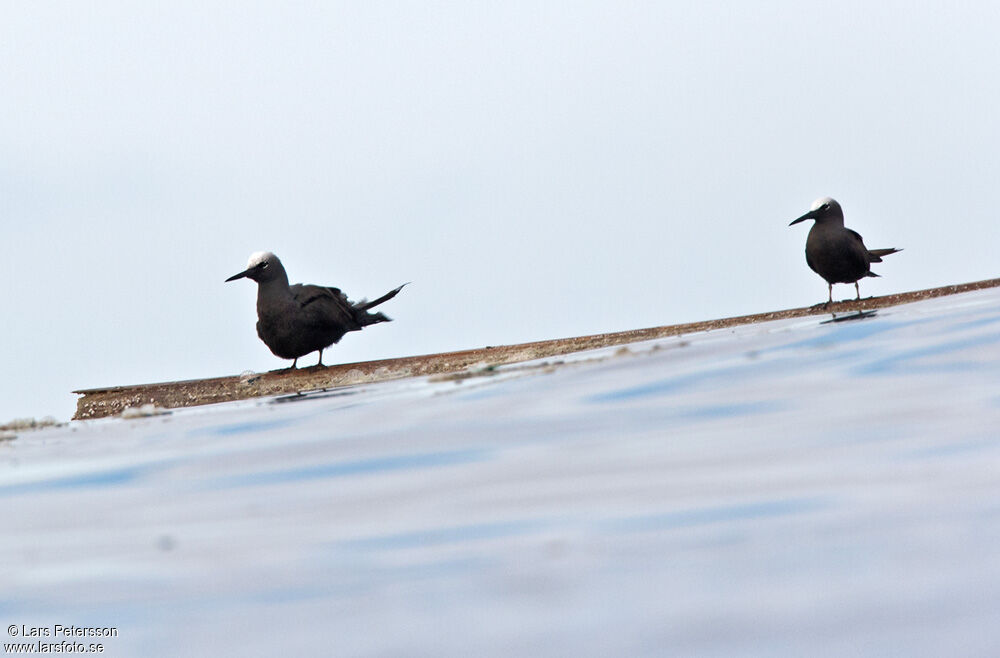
point(238, 276)
point(809, 215)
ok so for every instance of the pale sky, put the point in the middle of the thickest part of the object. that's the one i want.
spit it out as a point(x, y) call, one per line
point(537, 170)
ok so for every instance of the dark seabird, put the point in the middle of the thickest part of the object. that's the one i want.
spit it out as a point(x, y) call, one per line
point(836, 253)
point(296, 320)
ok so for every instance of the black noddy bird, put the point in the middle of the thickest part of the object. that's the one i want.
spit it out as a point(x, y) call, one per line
point(296, 320)
point(837, 254)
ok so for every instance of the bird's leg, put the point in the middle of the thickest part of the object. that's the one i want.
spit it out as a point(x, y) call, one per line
point(320, 362)
point(857, 290)
point(294, 361)
point(830, 300)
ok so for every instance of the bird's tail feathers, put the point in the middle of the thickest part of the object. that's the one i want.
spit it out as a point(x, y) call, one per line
point(875, 255)
point(365, 319)
point(364, 304)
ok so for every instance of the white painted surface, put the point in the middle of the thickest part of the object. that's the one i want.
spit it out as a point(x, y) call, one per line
point(791, 488)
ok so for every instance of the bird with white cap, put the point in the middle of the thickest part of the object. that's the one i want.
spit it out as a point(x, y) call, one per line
point(836, 253)
point(296, 320)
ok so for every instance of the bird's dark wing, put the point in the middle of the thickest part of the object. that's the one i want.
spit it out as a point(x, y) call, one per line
point(872, 258)
point(874, 255)
point(324, 306)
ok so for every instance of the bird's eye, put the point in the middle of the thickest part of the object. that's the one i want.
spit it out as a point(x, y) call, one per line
point(263, 265)
point(825, 206)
